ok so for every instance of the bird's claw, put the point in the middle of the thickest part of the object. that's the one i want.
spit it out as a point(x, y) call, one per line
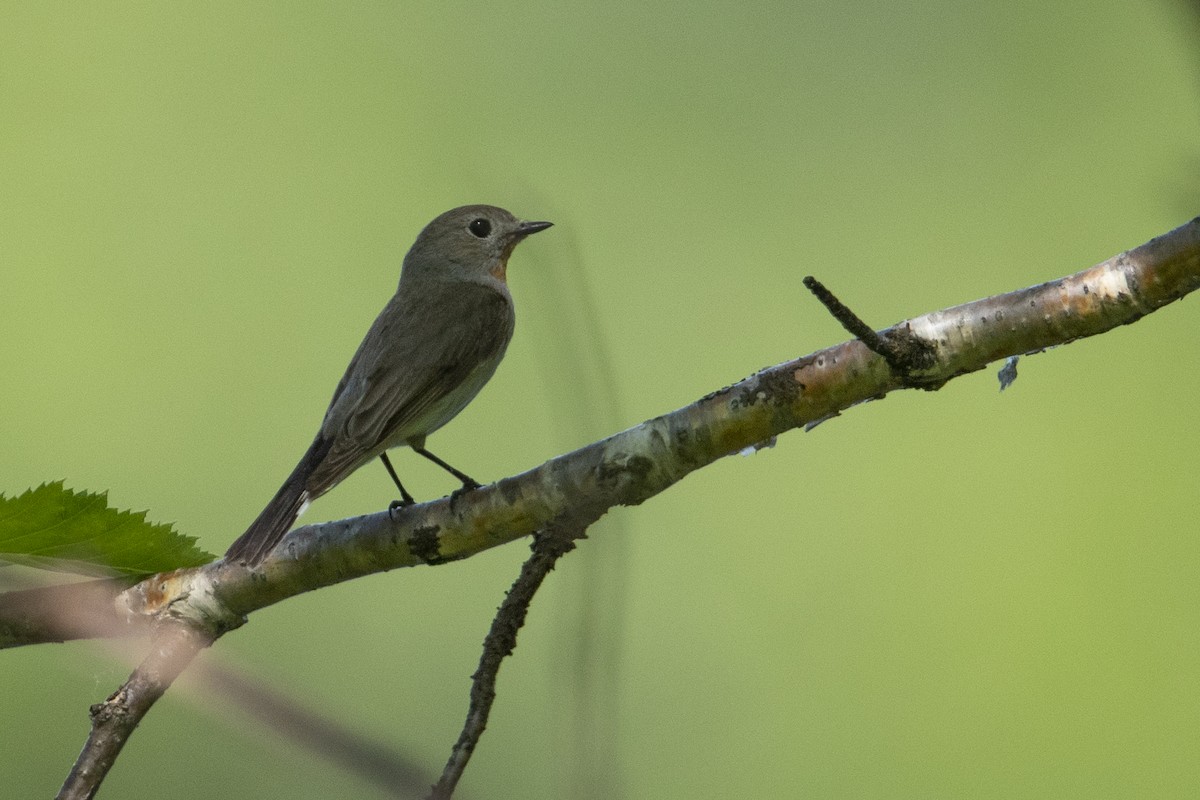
point(396, 505)
point(468, 486)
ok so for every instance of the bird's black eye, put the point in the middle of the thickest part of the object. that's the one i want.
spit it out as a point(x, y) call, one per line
point(480, 227)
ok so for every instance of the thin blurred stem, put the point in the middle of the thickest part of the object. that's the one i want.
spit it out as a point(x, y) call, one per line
point(395, 773)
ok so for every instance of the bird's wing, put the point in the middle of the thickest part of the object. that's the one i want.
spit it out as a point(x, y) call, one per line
point(412, 359)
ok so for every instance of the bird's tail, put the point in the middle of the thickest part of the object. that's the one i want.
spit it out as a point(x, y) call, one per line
point(277, 518)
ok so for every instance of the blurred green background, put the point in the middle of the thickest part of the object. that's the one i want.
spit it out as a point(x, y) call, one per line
point(960, 594)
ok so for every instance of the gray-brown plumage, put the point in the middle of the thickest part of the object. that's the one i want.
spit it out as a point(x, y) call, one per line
point(427, 355)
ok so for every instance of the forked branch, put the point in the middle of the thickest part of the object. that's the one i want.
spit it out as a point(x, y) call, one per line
point(636, 464)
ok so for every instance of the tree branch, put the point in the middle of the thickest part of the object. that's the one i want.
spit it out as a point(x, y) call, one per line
point(634, 465)
point(114, 720)
point(571, 491)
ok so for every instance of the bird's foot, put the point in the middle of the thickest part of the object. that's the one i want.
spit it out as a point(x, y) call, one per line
point(468, 486)
point(396, 505)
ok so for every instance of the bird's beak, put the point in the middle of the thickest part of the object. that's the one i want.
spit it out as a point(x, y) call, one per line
point(526, 228)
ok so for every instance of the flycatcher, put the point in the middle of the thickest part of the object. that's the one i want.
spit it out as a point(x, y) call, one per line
point(428, 353)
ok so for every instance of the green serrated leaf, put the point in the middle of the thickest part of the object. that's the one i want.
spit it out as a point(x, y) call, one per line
point(55, 528)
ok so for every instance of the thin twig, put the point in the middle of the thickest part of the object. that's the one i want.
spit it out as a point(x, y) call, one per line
point(113, 721)
point(904, 351)
point(548, 547)
point(849, 320)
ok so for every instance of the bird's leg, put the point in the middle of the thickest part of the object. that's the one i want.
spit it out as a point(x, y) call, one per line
point(407, 498)
point(468, 483)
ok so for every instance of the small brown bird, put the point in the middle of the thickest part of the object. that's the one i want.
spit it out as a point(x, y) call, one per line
point(427, 355)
